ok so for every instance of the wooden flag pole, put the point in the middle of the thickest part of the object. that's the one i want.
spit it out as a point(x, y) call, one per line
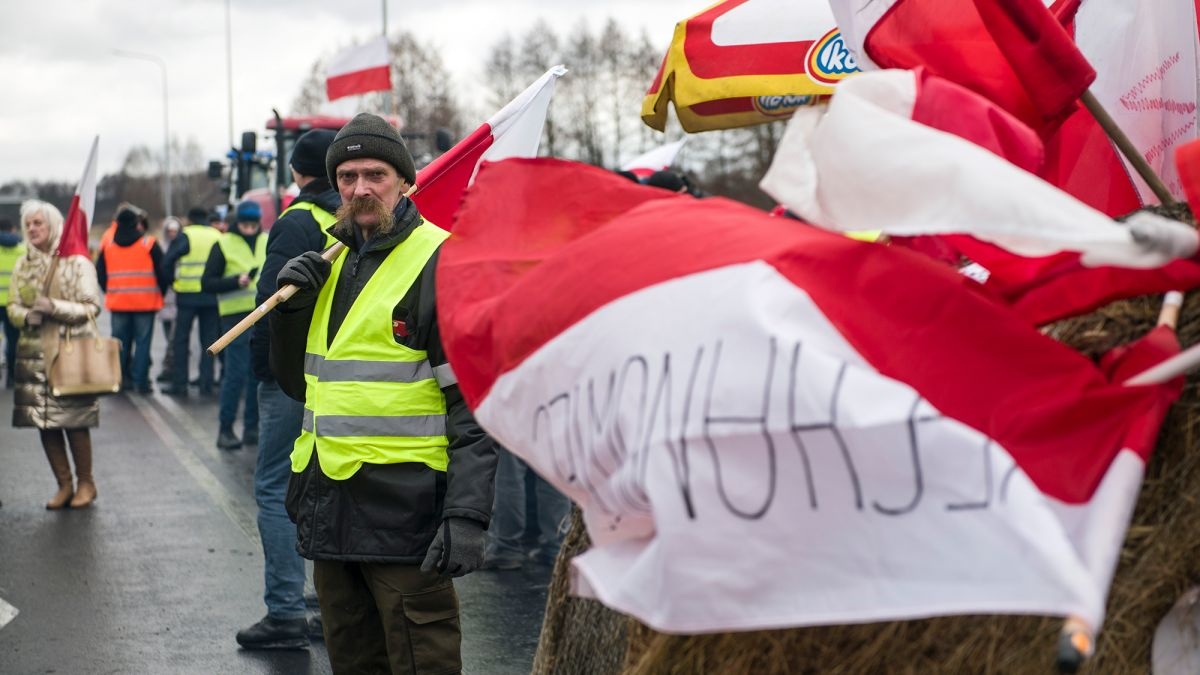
point(282, 295)
point(1126, 147)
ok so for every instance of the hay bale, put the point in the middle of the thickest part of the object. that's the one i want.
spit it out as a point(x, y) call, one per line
point(1159, 560)
point(579, 637)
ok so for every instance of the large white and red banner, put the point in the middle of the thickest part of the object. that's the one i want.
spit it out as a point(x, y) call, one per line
point(74, 240)
point(514, 131)
point(768, 425)
point(359, 69)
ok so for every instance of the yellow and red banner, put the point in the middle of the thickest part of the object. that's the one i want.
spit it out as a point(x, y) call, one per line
point(745, 62)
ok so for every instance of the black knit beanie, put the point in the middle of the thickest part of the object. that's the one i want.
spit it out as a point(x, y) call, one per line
point(369, 136)
point(308, 155)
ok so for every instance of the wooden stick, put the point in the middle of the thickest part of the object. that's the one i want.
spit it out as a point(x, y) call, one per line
point(1180, 364)
point(1127, 148)
point(1169, 314)
point(282, 295)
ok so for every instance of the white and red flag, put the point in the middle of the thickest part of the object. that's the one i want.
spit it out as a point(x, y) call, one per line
point(514, 131)
point(768, 425)
point(74, 240)
point(359, 70)
point(658, 159)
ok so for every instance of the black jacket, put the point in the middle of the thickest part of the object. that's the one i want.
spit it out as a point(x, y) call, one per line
point(291, 235)
point(126, 237)
point(383, 513)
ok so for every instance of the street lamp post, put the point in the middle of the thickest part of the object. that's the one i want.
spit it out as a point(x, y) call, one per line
point(166, 120)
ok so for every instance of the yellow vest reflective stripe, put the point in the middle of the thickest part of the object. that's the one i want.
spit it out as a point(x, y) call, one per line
point(189, 269)
point(8, 260)
point(239, 259)
point(325, 219)
point(369, 399)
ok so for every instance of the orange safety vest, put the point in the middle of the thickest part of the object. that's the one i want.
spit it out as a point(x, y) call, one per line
point(132, 284)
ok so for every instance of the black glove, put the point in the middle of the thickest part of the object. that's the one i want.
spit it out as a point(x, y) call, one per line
point(307, 271)
point(457, 548)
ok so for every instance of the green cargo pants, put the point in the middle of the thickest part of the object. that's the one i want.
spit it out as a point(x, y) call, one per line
point(388, 619)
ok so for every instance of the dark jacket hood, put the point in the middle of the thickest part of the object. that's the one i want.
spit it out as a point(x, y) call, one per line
point(9, 239)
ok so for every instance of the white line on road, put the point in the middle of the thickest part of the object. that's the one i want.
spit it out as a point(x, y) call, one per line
point(207, 481)
point(7, 613)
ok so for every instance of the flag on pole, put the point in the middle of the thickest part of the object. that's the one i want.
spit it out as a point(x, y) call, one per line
point(74, 239)
point(1021, 59)
point(514, 131)
point(879, 135)
point(875, 438)
point(358, 70)
point(1148, 65)
point(658, 159)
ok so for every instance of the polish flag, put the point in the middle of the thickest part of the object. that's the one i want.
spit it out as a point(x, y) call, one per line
point(1015, 53)
point(359, 70)
point(950, 162)
point(768, 425)
point(514, 131)
point(658, 159)
point(939, 152)
point(74, 240)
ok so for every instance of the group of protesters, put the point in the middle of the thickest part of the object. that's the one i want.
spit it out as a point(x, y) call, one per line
point(350, 368)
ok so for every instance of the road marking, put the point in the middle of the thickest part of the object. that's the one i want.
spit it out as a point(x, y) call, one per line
point(7, 613)
point(224, 499)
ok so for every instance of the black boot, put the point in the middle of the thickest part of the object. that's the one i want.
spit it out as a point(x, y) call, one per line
point(226, 440)
point(250, 435)
point(272, 633)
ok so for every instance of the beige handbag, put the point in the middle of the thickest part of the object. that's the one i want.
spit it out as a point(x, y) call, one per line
point(84, 365)
point(89, 365)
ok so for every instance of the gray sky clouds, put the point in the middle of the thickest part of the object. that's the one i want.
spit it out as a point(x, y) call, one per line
point(61, 83)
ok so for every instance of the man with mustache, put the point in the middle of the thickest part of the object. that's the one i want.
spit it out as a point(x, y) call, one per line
point(392, 479)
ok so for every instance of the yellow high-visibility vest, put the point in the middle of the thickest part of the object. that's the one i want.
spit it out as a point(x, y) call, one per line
point(8, 260)
point(239, 260)
point(369, 399)
point(189, 269)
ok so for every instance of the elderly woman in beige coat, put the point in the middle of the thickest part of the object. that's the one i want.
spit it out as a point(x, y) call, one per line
point(70, 307)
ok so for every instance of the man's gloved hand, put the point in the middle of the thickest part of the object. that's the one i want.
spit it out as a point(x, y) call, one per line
point(457, 548)
point(307, 271)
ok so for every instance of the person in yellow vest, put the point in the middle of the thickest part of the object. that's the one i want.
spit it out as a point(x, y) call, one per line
point(11, 248)
point(301, 227)
point(231, 273)
point(130, 270)
point(392, 479)
point(185, 261)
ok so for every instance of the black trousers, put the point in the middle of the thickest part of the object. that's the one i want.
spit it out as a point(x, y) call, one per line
point(388, 619)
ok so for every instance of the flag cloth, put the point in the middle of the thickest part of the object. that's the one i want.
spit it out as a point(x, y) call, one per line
point(514, 131)
point(658, 159)
point(74, 239)
point(359, 70)
point(767, 425)
point(745, 62)
point(1024, 76)
point(872, 141)
point(1145, 54)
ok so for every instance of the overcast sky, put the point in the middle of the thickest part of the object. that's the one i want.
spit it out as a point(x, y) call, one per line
point(60, 82)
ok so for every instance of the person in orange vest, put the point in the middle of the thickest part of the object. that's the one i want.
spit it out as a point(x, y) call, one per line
point(130, 270)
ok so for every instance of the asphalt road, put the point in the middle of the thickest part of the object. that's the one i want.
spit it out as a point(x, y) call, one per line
point(160, 574)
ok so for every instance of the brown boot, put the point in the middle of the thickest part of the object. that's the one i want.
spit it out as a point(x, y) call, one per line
point(81, 450)
point(55, 446)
